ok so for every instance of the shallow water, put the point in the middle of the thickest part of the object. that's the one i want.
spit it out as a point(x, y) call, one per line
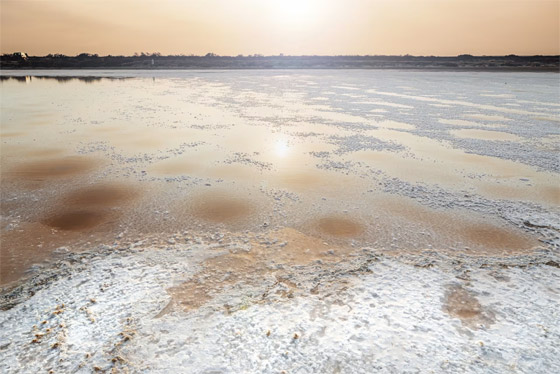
point(356, 158)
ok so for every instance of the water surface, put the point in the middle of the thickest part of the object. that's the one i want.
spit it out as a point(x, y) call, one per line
point(351, 158)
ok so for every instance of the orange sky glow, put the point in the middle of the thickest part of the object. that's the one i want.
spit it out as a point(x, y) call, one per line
point(271, 27)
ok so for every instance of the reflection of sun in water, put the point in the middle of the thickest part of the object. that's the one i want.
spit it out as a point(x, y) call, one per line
point(281, 148)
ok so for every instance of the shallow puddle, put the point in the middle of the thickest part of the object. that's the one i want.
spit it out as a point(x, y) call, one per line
point(54, 168)
point(446, 229)
point(196, 151)
point(548, 119)
point(465, 123)
point(101, 195)
point(302, 181)
point(33, 242)
point(487, 117)
point(86, 214)
point(493, 237)
point(549, 193)
point(339, 227)
point(484, 135)
point(436, 162)
point(406, 168)
point(49, 152)
point(11, 134)
point(217, 208)
point(173, 167)
point(394, 125)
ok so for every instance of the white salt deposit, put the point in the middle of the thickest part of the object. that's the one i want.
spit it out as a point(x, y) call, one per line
point(371, 314)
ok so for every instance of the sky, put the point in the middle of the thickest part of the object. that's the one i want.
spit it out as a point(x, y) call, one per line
point(271, 27)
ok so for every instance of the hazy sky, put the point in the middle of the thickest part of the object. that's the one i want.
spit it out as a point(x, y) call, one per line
point(324, 27)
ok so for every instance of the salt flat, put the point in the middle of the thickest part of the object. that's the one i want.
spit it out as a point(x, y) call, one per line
point(340, 221)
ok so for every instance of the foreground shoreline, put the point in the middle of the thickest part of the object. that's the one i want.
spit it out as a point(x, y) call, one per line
point(109, 309)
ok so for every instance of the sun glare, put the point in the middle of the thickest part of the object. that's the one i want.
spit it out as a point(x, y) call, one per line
point(294, 10)
point(281, 148)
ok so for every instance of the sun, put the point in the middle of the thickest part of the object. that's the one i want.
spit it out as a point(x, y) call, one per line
point(294, 10)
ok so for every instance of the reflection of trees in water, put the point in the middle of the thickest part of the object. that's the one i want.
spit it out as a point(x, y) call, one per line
point(19, 78)
point(66, 79)
point(60, 79)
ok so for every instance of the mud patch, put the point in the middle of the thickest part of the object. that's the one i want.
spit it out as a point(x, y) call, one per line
point(460, 303)
point(248, 263)
point(219, 273)
point(297, 248)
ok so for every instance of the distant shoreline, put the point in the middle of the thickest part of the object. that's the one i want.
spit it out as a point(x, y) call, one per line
point(514, 63)
point(411, 69)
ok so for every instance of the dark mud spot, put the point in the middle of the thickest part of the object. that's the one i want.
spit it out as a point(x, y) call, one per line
point(76, 220)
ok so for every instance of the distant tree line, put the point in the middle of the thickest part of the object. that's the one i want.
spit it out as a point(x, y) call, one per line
point(155, 60)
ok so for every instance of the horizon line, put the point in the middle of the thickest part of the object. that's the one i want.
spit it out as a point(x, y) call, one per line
point(256, 55)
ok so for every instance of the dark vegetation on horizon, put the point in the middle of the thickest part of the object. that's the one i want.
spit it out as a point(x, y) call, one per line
point(21, 60)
